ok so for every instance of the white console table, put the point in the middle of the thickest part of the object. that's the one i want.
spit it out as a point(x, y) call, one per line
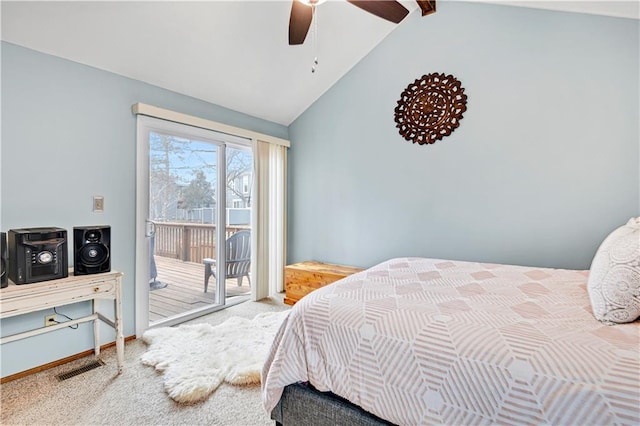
point(26, 298)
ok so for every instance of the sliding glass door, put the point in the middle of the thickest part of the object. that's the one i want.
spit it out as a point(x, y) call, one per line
point(190, 180)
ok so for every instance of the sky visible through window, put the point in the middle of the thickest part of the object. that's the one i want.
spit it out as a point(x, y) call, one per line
point(183, 175)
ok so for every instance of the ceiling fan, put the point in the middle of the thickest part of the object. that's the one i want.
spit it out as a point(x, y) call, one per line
point(302, 12)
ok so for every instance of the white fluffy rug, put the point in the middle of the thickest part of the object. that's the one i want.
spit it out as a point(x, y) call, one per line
point(195, 359)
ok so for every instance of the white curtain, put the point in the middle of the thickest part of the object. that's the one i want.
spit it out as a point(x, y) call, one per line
point(269, 218)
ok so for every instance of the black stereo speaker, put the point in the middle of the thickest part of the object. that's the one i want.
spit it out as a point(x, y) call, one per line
point(91, 249)
point(4, 281)
point(37, 254)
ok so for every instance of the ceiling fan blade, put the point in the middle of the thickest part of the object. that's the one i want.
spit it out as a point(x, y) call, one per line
point(299, 22)
point(390, 10)
point(428, 6)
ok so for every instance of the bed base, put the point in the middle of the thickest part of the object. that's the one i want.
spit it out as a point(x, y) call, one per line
point(301, 404)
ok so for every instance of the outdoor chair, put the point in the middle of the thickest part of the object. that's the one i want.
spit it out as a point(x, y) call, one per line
point(238, 254)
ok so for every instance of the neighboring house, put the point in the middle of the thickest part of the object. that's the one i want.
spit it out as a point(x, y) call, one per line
point(239, 191)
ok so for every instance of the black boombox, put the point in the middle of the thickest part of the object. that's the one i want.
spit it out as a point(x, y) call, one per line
point(4, 281)
point(40, 254)
point(37, 254)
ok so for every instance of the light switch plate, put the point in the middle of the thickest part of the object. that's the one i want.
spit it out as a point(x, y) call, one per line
point(98, 204)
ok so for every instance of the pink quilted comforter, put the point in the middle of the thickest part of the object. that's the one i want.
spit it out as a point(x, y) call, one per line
point(422, 341)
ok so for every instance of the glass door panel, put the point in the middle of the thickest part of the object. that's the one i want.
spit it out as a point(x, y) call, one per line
point(239, 172)
point(183, 176)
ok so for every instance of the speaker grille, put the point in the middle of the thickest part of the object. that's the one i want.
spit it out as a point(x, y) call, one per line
point(92, 253)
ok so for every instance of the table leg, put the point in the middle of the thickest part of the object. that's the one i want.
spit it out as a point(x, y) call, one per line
point(118, 323)
point(96, 329)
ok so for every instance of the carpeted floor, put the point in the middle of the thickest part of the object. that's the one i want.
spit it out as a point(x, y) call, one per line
point(137, 397)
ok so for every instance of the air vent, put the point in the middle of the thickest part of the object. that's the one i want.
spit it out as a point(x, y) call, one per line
point(78, 371)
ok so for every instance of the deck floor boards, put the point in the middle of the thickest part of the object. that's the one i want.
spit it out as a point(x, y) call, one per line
point(185, 288)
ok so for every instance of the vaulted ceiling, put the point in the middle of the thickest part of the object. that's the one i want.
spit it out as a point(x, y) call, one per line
point(231, 53)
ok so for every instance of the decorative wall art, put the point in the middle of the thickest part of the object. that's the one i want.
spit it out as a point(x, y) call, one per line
point(430, 108)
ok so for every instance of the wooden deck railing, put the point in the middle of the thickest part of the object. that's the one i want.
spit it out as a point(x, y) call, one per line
point(190, 242)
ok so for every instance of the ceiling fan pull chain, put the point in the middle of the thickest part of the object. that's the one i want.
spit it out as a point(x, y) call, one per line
point(314, 37)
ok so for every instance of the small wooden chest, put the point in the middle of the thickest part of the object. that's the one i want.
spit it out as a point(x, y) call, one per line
point(302, 278)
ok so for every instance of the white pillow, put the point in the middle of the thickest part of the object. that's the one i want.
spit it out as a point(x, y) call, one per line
point(614, 278)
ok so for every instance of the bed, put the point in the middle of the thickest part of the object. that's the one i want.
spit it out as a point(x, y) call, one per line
point(416, 341)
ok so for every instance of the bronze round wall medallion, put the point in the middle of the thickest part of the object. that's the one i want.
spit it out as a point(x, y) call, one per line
point(430, 108)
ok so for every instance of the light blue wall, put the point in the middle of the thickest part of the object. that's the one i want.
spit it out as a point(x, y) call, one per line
point(68, 134)
point(543, 166)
